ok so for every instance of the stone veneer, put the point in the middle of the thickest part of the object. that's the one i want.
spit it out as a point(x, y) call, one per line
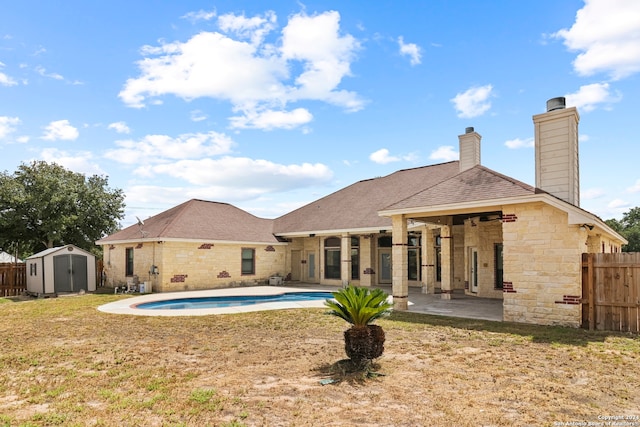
point(542, 269)
point(193, 265)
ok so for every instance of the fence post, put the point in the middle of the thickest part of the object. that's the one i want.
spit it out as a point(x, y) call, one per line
point(590, 290)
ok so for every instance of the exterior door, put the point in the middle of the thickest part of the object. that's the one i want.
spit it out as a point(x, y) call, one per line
point(311, 267)
point(296, 263)
point(384, 266)
point(473, 269)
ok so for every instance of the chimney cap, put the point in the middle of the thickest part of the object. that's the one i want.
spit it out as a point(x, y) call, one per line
point(469, 129)
point(556, 103)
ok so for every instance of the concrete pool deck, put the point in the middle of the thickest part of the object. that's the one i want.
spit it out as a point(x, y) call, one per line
point(459, 306)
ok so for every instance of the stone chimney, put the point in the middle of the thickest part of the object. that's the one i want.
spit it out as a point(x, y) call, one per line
point(556, 142)
point(469, 149)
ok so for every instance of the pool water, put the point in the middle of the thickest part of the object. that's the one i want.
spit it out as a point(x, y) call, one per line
point(231, 301)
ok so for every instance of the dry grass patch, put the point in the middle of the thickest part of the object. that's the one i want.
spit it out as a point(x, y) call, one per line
point(65, 363)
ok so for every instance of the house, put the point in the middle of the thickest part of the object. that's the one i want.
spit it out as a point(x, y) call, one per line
point(195, 245)
point(8, 258)
point(455, 227)
point(63, 269)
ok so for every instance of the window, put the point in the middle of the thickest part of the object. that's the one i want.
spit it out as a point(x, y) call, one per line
point(128, 262)
point(33, 269)
point(385, 242)
point(332, 258)
point(438, 252)
point(248, 261)
point(499, 274)
point(355, 258)
point(414, 258)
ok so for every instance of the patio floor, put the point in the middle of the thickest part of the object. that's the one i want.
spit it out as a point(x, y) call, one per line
point(460, 305)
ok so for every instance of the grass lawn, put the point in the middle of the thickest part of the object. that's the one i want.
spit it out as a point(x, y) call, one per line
point(65, 363)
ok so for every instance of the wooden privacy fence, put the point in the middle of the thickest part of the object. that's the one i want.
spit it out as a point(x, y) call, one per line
point(611, 291)
point(13, 279)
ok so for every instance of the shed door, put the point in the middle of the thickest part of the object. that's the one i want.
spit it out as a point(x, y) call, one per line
point(69, 273)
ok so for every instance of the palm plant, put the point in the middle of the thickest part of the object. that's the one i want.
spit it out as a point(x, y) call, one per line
point(359, 306)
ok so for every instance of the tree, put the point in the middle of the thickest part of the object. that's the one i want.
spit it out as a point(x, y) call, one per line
point(629, 228)
point(363, 342)
point(44, 205)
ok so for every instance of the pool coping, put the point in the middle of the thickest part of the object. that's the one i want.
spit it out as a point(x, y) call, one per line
point(127, 305)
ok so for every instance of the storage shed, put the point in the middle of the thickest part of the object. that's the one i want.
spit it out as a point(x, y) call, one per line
point(61, 270)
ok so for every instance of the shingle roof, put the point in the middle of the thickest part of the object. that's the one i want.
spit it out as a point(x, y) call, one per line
point(200, 220)
point(475, 184)
point(357, 205)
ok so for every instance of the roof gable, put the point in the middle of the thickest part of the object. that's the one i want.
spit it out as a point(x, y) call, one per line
point(475, 184)
point(200, 220)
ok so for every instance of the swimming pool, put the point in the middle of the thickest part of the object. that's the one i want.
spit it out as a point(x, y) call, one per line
point(230, 301)
point(226, 301)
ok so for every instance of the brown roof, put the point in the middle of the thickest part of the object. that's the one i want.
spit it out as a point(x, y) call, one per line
point(474, 184)
point(357, 205)
point(200, 220)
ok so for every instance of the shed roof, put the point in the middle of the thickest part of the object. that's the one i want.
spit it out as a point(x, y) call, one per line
point(357, 206)
point(200, 220)
point(50, 251)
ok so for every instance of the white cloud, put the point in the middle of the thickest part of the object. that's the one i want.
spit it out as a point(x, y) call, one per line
point(159, 148)
point(473, 102)
point(60, 129)
point(7, 125)
point(635, 188)
point(201, 15)
point(382, 156)
point(254, 29)
point(269, 120)
point(411, 50)
point(198, 116)
point(81, 162)
point(120, 127)
point(592, 193)
point(607, 35)
point(520, 143)
point(43, 72)
point(255, 77)
point(326, 57)
point(247, 175)
point(5, 80)
point(589, 96)
point(618, 204)
point(445, 153)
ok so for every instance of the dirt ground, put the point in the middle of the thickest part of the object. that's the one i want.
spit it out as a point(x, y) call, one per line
point(64, 363)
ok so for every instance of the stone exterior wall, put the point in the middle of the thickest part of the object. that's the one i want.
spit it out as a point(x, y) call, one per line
point(596, 243)
point(193, 265)
point(542, 269)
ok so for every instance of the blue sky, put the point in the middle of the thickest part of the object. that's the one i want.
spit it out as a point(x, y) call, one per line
point(271, 105)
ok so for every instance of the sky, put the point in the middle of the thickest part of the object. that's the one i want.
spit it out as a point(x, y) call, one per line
point(270, 105)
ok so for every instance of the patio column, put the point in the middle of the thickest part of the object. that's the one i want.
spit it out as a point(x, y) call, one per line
point(446, 236)
point(400, 263)
point(428, 261)
point(345, 256)
point(367, 260)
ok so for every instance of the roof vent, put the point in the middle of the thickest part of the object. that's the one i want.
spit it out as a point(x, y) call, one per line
point(556, 103)
point(469, 129)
